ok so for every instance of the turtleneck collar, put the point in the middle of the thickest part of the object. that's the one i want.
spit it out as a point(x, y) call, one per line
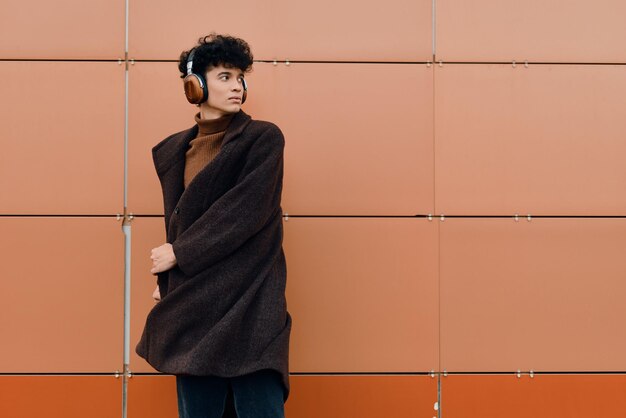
point(211, 126)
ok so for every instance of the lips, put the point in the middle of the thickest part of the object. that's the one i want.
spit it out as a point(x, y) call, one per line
point(235, 98)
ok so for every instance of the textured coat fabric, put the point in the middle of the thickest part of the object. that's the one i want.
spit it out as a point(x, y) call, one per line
point(223, 310)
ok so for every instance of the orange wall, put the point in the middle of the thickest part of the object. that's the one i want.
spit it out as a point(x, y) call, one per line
point(503, 120)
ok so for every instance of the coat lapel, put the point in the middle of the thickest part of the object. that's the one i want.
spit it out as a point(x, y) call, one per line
point(170, 151)
point(236, 126)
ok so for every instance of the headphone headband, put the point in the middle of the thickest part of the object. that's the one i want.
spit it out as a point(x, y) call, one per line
point(190, 61)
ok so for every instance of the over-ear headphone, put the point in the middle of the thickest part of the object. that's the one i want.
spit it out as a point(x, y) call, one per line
point(195, 85)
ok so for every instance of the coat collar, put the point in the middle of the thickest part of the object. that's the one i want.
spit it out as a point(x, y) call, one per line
point(171, 150)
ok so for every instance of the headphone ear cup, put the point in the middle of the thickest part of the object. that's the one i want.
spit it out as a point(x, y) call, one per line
point(195, 89)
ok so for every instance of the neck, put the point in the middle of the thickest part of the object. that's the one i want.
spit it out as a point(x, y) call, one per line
point(209, 113)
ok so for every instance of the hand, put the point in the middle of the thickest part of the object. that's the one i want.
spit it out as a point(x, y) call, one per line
point(163, 258)
point(156, 295)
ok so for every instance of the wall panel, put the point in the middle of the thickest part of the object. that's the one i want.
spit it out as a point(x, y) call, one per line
point(534, 30)
point(157, 108)
point(543, 396)
point(281, 29)
point(346, 155)
point(161, 29)
point(60, 396)
point(63, 29)
point(381, 316)
point(541, 295)
point(147, 233)
point(362, 294)
point(367, 396)
point(64, 287)
point(152, 396)
point(544, 140)
point(63, 138)
point(353, 30)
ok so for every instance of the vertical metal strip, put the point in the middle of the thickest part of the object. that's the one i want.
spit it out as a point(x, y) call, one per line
point(434, 34)
point(126, 229)
point(127, 240)
point(438, 395)
point(434, 43)
point(439, 374)
point(126, 113)
point(434, 48)
point(126, 28)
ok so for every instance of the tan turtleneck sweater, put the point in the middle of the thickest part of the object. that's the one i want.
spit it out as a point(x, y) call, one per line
point(206, 145)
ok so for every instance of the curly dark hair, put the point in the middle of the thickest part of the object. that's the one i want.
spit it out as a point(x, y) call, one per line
point(214, 50)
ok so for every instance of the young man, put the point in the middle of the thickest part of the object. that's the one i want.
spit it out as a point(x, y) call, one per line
point(221, 323)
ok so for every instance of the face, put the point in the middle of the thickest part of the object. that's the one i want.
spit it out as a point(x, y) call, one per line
point(225, 87)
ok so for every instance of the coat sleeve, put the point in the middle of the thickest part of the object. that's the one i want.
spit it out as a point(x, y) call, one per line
point(240, 212)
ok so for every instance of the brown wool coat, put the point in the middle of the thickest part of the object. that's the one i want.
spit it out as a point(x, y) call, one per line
point(223, 310)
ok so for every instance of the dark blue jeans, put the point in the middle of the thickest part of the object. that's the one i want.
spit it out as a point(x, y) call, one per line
point(254, 395)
